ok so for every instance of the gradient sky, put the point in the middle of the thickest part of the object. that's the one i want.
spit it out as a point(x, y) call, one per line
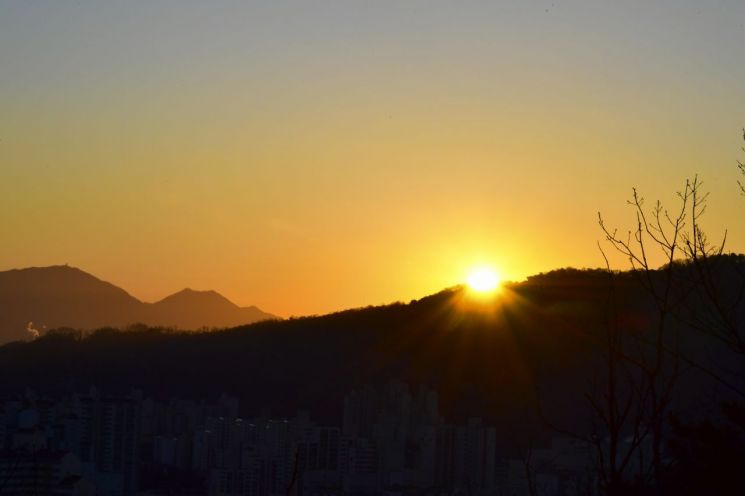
point(312, 156)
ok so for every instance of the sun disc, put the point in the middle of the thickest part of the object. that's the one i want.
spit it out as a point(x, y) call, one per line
point(483, 280)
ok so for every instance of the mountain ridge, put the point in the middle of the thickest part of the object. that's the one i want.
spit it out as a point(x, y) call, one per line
point(33, 299)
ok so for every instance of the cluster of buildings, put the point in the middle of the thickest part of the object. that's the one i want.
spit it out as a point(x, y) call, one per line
point(390, 442)
point(77, 445)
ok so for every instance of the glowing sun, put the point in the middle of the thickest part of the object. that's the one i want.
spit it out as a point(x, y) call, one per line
point(483, 280)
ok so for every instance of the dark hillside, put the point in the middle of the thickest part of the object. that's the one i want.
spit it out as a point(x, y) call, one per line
point(485, 358)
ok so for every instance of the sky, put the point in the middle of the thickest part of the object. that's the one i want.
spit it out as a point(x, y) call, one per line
point(307, 157)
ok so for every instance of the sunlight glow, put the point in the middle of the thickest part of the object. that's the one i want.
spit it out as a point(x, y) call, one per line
point(483, 280)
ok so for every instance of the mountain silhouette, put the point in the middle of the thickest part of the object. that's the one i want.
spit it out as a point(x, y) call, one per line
point(190, 309)
point(39, 298)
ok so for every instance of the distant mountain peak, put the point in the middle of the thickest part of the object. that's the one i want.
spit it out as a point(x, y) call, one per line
point(189, 291)
point(188, 294)
point(52, 269)
point(66, 296)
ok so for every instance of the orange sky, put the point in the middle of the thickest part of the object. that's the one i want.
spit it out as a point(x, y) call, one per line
point(311, 159)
